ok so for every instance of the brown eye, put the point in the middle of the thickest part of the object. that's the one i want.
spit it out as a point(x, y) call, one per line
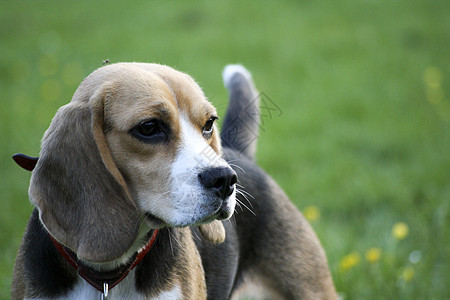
point(150, 131)
point(209, 127)
point(149, 128)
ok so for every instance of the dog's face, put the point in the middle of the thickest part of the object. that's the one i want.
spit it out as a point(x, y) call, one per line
point(161, 134)
point(137, 140)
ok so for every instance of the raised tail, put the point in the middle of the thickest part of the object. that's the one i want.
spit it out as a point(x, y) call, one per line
point(240, 127)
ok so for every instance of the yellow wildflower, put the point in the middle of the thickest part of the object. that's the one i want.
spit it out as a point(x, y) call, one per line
point(373, 255)
point(433, 81)
point(312, 213)
point(408, 274)
point(432, 77)
point(400, 230)
point(349, 261)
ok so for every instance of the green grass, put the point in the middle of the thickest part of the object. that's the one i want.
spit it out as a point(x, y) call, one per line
point(364, 134)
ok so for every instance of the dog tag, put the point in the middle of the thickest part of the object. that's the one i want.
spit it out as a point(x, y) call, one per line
point(105, 291)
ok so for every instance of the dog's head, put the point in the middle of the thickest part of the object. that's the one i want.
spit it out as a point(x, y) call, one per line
point(136, 143)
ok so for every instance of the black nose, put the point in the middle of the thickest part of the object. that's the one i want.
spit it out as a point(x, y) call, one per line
point(220, 180)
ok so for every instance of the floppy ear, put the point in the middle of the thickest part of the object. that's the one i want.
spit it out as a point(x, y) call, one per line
point(81, 196)
point(213, 232)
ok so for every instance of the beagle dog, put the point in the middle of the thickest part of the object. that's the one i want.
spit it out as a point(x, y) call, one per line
point(134, 197)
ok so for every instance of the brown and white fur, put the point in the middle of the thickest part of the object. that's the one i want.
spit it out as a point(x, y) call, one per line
point(135, 150)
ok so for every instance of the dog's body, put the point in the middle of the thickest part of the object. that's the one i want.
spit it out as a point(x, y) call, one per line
point(136, 150)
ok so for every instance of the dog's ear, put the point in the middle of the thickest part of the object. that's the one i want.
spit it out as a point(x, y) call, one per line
point(81, 196)
point(213, 232)
point(26, 162)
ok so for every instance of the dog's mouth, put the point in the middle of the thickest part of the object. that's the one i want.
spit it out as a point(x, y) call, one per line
point(222, 212)
point(220, 216)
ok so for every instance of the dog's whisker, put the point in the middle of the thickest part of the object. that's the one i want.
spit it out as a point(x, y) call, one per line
point(195, 236)
point(248, 201)
point(245, 194)
point(170, 243)
point(232, 222)
point(238, 205)
point(249, 209)
point(242, 189)
point(238, 167)
point(140, 219)
point(234, 160)
point(245, 197)
point(172, 236)
point(240, 202)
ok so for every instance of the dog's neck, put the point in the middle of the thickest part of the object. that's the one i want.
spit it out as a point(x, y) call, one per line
point(105, 280)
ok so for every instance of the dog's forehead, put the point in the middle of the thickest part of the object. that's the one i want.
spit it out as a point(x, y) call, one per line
point(145, 89)
point(189, 96)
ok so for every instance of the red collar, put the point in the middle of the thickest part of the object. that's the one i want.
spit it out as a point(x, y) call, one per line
point(98, 279)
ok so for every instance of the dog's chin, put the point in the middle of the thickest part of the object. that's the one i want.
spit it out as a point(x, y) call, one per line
point(222, 213)
point(220, 216)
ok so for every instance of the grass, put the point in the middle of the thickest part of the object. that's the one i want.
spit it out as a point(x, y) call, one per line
point(361, 146)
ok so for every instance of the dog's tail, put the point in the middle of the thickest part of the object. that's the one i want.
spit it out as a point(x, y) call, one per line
point(241, 123)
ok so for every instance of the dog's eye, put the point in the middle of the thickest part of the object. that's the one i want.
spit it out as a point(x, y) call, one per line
point(149, 128)
point(149, 131)
point(209, 127)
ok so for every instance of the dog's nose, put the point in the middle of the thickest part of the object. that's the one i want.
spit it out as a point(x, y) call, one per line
point(221, 180)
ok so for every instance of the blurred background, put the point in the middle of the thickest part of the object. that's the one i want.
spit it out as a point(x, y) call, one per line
point(360, 143)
